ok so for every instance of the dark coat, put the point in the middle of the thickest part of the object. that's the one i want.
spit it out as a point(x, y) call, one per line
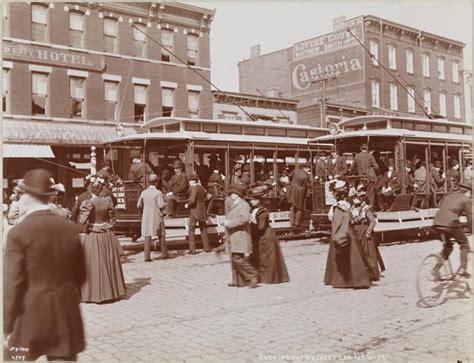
point(339, 167)
point(437, 181)
point(137, 172)
point(267, 255)
point(44, 269)
point(394, 181)
point(204, 172)
point(365, 164)
point(451, 207)
point(321, 170)
point(75, 210)
point(179, 185)
point(298, 188)
point(454, 178)
point(197, 203)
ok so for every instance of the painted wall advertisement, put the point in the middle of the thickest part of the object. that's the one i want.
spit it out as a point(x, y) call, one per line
point(336, 56)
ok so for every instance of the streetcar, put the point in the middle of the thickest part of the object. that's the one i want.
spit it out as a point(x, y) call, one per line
point(265, 146)
point(402, 139)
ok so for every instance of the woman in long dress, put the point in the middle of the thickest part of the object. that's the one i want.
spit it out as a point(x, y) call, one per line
point(345, 266)
point(363, 222)
point(104, 281)
point(267, 255)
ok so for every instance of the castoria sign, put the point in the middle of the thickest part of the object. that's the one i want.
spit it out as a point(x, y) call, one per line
point(334, 57)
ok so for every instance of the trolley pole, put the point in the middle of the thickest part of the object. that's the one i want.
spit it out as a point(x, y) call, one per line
point(323, 81)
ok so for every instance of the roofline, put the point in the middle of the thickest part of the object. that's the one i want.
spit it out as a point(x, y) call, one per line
point(374, 118)
point(159, 121)
point(248, 95)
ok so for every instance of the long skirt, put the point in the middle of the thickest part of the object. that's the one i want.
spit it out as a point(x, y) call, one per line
point(269, 259)
point(104, 275)
point(345, 266)
point(370, 250)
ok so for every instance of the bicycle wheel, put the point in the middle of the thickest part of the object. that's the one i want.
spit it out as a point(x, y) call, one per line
point(431, 287)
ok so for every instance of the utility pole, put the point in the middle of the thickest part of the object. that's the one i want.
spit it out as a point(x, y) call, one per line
point(323, 81)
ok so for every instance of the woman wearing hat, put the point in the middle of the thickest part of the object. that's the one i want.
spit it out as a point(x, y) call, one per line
point(104, 281)
point(56, 200)
point(363, 222)
point(267, 254)
point(345, 266)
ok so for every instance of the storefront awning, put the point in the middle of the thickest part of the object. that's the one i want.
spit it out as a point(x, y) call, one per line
point(27, 151)
point(59, 133)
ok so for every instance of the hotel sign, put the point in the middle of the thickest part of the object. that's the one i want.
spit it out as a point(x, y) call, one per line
point(337, 57)
point(52, 56)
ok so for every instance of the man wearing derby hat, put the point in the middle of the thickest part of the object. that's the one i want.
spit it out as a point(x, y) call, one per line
point(178, 186)
point(150, 203)
point(44, 269)
point(364, 165)
point(446, 221)
point(197, 214)
point(237, 224)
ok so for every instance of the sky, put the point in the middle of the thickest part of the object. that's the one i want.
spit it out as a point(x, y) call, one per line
point(279, 24)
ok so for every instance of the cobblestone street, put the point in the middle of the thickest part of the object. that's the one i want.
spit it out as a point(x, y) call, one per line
point(181, 310)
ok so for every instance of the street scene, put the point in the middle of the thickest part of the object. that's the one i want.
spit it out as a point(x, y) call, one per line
point(194, 181)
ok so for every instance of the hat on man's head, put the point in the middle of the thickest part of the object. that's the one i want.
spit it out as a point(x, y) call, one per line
point(238, 189)
point(194, 176)
point(323, 153)
point(364, 146)
point(454, 162)
point(152, 178)
point(38, 182)
point(178, 164)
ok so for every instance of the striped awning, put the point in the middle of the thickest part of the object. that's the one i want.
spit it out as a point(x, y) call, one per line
point(27, 151)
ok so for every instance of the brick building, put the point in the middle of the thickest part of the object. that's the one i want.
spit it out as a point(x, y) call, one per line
point(256, 107)
point(73, 71)
point(429, 66)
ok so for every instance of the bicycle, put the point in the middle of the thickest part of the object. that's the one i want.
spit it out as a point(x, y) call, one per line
point(435, 279)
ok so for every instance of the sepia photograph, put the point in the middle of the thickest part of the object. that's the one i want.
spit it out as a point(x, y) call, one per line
point(237, 181)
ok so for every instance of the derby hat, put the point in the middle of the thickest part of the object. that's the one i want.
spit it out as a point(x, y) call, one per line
point(38, 182)
point(194, 176)
point(178, 164)
point(238, 189)
point(152, 178)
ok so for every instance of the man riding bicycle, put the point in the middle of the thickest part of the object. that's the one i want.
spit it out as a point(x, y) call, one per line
point(446, 222)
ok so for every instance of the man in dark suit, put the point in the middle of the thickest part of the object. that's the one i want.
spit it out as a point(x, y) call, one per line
point(82, 197)
point(388, 185)
point(446, 221)
point(179, 188)
point(321, 168)
point(138, 169)
point(197, 214)
point(215, 186)
point(337, 165)
point(297, 194)
point(364, 165)
point(44, 269)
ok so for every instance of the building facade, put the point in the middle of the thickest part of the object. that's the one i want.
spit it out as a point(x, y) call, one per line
point(73, 71)
point(424, 71)
point(247, 107)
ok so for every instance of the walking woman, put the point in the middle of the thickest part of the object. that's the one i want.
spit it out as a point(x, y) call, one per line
point(345, 266)
point(104, 278)
point(267, 255)
point(363, 222)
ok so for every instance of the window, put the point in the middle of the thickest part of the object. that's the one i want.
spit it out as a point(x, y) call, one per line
point(6, 90)
point(39, 83)
point(393, 97)
point(456, 72)
point(193, 47)
point(140, 102)
point(427, 100)
point(411, 99)
point(457, 106)
point(392, 57)
point(139, 40)
point(167, 41)
point(167, 102)
point(441, 68)
point(375, 93)
point(409, 59)
point(77, 96)
point(442, 104)
point(374, 50)
point(111, 99)
point(76, 29)
point(193, 104)
point(110, 35)
point(426, 65)
point(229, 115)
point(39, 23)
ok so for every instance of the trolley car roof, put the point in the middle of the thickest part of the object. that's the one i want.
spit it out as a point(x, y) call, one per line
point(370, 119)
